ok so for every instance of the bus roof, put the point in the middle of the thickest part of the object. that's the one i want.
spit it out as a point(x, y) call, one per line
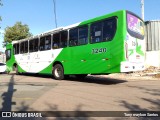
point(71, 26)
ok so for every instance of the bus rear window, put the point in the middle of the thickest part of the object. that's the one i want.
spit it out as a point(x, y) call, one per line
point(135, 26)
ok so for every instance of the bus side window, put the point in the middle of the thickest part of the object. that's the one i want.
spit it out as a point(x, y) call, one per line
point(26, 47)
point(103, 31)
point(96, 32)
point(35, 49)
point(56, 41)
point(48, 42)
point(109, 29)
point(45, 43)
point(64, 37)
point(42, 44)
point(73, 37)
point(33, 45)
point(83, 35)
point(22, 47)
point(16, 49)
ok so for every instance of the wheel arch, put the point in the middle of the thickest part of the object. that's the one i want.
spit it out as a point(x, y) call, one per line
point(14, 65)
point(58, 62)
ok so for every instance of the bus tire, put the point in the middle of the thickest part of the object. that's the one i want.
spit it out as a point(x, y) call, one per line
point(58, 72)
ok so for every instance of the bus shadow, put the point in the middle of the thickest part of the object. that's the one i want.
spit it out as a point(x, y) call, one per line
point(36, 75)
point(89, 79)
point(97, 80)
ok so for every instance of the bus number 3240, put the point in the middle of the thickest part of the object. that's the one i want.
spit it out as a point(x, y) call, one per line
point(99, 50)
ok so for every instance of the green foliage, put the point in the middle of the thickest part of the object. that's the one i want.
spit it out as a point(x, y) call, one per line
point(16, 32)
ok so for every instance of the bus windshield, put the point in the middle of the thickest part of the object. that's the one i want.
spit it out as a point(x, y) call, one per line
point(135, 26)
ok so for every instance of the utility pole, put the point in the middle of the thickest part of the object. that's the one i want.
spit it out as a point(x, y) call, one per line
point(54, 2)
point(142, 9)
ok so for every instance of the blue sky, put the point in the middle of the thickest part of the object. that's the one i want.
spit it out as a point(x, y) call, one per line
point(39, 14)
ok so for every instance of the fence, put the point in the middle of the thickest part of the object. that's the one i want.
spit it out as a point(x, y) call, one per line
point(152, 35)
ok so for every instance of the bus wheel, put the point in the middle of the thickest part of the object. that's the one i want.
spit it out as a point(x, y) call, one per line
point(58, 72)
point(81, 76)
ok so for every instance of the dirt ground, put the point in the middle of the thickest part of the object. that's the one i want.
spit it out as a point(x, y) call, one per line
point(149, 73)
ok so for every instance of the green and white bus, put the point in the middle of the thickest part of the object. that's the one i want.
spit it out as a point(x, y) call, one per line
point(110, 43)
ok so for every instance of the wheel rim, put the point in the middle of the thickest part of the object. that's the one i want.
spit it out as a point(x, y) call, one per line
point(57, 72)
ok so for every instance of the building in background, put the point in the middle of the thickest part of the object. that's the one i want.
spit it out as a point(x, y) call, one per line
point(152, 43)
point(2, 57)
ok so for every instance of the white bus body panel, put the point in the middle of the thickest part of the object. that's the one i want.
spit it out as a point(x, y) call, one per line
point(37, 61)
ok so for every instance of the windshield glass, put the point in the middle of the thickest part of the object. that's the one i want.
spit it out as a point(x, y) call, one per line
point(8, 54)
point(135, 26)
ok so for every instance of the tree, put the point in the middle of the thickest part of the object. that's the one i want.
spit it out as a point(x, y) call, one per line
point(16, 32)
point(1, 3)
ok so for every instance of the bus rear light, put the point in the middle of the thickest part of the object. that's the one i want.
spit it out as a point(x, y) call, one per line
point(105, 59)
point(126, 48)
point(137, 56)
point(126, 66)
point(83, 60)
